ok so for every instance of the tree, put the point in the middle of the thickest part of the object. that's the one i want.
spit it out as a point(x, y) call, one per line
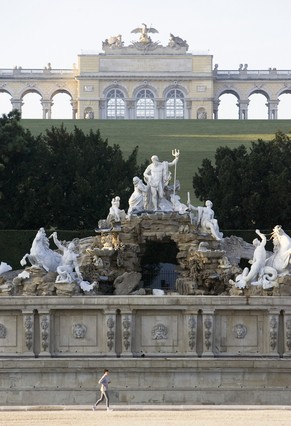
point(60, 179)
point(249, 188)
point(18, 149)
point(83, 173)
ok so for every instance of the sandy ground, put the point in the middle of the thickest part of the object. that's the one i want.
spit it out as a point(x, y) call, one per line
point(195, 417)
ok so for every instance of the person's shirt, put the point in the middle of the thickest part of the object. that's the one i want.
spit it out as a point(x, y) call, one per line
point(104, 381)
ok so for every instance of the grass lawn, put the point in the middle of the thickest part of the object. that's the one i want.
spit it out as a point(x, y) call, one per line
point(196, 139)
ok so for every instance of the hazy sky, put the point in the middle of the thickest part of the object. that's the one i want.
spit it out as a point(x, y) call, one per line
point(35, 32)
point(256, 32)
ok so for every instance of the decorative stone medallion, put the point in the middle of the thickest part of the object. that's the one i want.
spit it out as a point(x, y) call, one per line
point(79, 331)
point(159, 332)
point(240, 331)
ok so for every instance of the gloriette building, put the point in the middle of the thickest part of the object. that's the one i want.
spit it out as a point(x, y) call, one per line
point(146, 80)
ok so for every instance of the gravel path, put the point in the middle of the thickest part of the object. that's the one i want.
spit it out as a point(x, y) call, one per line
point(118, 417)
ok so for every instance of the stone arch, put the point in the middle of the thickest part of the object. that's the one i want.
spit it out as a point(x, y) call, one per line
point(258, 91)
point(175, 86)
point(5, 101)
point(58, 91)
point(32, 105)
point(145, 86)
point(29, 90)
point(284, 103)
point(258, 107)
point(115, 86)
point(2, 90)
point(226, 91)
point(284, 91)
point(64, 103)
point(158, 263)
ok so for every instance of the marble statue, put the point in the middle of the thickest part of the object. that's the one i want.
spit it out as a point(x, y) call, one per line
point(206, 221)
point(138, 199)
point(144, 30)
point(4, 267)
point(41, 256)
point(115, 213)
point(177, 42)
point(113, 41)
point(259, 274)
point(157, 177)
point(68, 269)
point(265, 269)
point(281, 257)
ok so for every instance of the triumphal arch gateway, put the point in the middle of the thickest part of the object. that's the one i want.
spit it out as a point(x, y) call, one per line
point(146, 80)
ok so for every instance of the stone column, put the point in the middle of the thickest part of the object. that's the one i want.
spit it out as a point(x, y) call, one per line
point(215, 109)
point(160, 103)
point(44, 330)
point(273, 331)
point(130, 109)
point(28, 335)
point(243, 109)
point(188, 109)
point(273, 109)
point(102, 109)
point(190, 335)
point(207, 324)
point(17, 104)
point(74, 105)
point(126, 334)
point(47, 109)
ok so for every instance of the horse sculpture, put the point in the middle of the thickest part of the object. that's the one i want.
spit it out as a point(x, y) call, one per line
point(281, 259)
point(41, 256)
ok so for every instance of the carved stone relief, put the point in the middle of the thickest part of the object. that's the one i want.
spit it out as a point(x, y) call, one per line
point(110, 333)
point(28, 327)
point(126, 332)
point(240, 331)
point(192, 332)
point(79, 331)
point(3, 331)
point(44, 330)
point(159, 332)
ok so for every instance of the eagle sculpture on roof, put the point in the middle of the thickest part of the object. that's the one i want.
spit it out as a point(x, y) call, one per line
point(144, 30)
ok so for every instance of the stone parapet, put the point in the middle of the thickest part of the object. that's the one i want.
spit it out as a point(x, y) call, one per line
point(163, 350)
point(145, 326)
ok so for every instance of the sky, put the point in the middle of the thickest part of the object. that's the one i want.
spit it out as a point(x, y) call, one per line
point(254, 32)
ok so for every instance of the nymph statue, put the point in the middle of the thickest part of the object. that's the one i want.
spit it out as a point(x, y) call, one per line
point(138, 199)
point(206, 221)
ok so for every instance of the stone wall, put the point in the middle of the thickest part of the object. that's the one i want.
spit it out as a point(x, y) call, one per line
point(173, 349)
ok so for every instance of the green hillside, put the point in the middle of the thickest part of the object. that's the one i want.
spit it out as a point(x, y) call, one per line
point(196, 139)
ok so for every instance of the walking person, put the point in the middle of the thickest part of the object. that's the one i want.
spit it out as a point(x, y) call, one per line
point(104, 381)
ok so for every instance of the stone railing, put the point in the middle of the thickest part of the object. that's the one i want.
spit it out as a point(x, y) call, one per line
point(271, 74)
point(42, 73)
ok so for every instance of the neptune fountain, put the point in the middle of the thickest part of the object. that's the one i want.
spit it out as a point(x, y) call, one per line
point(110, 261)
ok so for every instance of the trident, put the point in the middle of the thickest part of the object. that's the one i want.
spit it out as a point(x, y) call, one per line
point(175, 153)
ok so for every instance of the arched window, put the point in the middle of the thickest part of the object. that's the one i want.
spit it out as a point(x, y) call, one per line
point(115, 105)
point(175, 104)
point(145, 106)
